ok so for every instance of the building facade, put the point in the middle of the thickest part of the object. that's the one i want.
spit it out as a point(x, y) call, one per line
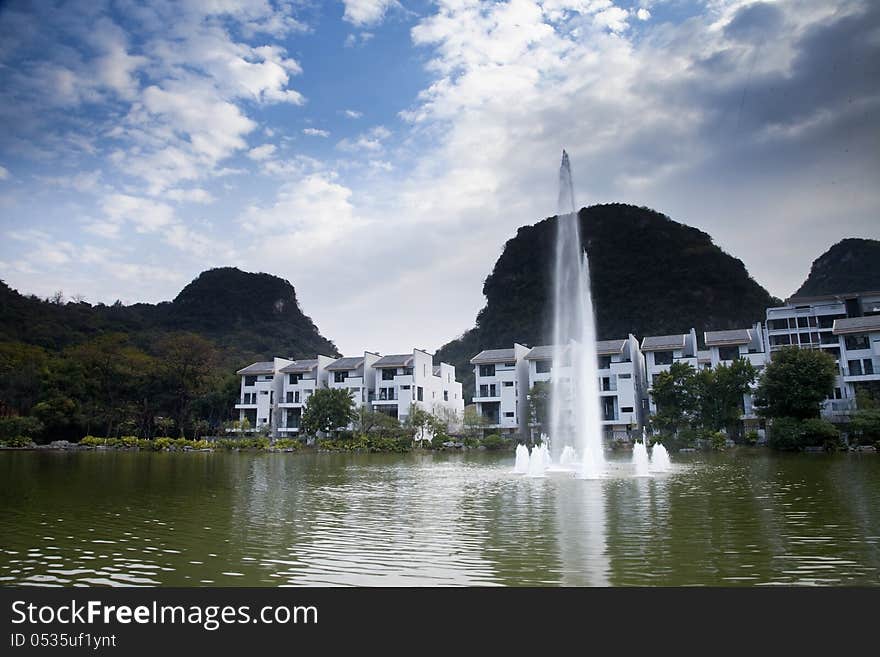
point(501, 385)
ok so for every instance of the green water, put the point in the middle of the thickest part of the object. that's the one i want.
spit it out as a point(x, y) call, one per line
point(187, 519)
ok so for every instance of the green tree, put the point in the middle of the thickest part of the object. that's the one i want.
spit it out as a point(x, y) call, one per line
point(472, 422)
point(865, 425)
point(23, 369)
point(720, 393)
point(185, 367)
point(676, 394)
point(538, 405)
point(795, 383)
point(328, 410)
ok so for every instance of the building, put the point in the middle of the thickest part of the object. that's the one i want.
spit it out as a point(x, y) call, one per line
point(723, 347)
point(842, 326)
point(501, 386)
point(404, 381)
point(661, 351)
point(622, 384)
point(275, 393)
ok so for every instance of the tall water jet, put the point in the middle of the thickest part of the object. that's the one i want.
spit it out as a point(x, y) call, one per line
point(640, 460)
point(538, 460)
point(522, 460)
point(575, 419)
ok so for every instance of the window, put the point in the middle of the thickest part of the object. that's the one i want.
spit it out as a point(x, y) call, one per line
point(264, 392)
point(339, 377)
point(803, 322)
point(663, 358)
point(487, 370)
point(837, 393)
point(289, 399)
point(271, 396)
point(857, 342)
point(293, 379)
point(509, 364)
point(626, 409)
point(419, 393)
point(388, 374)
point(445, 395)
point(606, 383)
point(493, 390)
point(268, 377)
point(778, 340)
point(407, 371)
point(296, 397)
point(868, 366)
point(624, 376)
point(405, 387)
point(728, 353)
point(508, 384)
point(855, 367)
point(604, 362)
point(250, 380)
point(542, 366)
point(776, 324)
point(508, 414)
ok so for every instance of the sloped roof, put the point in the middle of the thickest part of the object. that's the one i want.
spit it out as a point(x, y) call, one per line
point(263, 367)
point(345, 364)
point(394, 360)
point(856, 324)
point(609, 347)
point(664, 342)
point(543, 352)
point(300, 366)
point(726, 338)
point(494, 356)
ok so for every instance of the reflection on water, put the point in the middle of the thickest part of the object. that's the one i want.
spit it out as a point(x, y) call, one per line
point(122, 519)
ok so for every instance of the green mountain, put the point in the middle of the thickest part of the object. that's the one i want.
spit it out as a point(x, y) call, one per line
point(247, 316)
point(851, 265)
point(650, 276)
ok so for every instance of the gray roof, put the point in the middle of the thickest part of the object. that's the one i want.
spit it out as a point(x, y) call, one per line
point(664, 342)
point(722, 338)
point(300, 366)
point(857, 324)
point(395, 360)
point(609, 347)
point(345, 364)
point(494, 356)
point(544, 352)
point(264, 367)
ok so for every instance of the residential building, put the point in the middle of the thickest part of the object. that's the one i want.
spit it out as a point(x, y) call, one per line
point(410, 380)
point(260, 390)
point(809, 322)
point(501, 386)
point(661, 351)
point(300, 379)
point(723, 347)
point(357, 375)
point(622, 386)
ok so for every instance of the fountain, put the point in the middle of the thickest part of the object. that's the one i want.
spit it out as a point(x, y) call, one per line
point(660, 458)
point(640, 460)
point(574, 409)
point(538, 461)
point(522, 460)
point(569, 456)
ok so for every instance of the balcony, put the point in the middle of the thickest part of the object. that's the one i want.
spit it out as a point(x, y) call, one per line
point(838, 408)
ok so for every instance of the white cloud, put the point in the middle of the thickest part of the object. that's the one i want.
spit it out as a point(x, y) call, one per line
point(4, 173)
point(643, 14)
point(366, 12)
point(353, 114)
point(315, 132)
point(261, 153)
point(145, 214)
point(192, 195)
point(370, 141)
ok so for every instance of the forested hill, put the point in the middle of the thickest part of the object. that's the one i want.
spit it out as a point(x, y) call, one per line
point(851, 265)
point(650, 276)
point(247, 316)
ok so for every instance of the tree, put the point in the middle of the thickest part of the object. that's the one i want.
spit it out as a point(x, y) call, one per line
point(676, 395)
point(473, 422)
point(186, 361)
point(720, 392)
point(795, 383)
point(369, 421)
point(328, 410)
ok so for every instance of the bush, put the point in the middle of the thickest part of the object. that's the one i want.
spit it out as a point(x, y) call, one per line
point(92, 441)
point(493, 442)
point(16, 441)
point(14, 427)
point(865, 426)
point(287, 443)
point(752, 437)
point(718, 441)
point(789, 434)
point(163, 443)
point(821, 433)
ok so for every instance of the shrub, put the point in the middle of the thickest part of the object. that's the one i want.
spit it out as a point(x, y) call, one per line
point(822, 433)
point(163, 443)
point(13, 427)
point(128, 441)
point(718, 441)
point(493, 442)
point(16, 441)
point(92, 441)
point(865, 426)
point(785, 434)
point(752, 437)
point(287, 443)
point(789, 434)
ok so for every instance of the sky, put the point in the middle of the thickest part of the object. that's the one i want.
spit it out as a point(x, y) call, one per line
point(378, 153)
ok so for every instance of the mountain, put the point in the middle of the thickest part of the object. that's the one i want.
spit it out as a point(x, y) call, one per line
point(650, 276)
point(248, 316)
point(851, 265)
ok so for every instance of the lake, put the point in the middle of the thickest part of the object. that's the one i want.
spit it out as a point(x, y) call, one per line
point(747, 517)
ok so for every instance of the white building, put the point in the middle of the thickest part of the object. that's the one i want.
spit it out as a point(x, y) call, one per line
point(501, 386)
point(839, 324)
point(661, 351)
point(275, 393)
point(621, 374)
point(723, 347)
point(260, 391)
point(406, 380)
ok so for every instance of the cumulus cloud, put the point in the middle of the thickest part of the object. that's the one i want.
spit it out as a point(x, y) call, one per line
point(370, 141)
point(353, 114)
point(260, 153)
point(362, 13)
point(316, 132)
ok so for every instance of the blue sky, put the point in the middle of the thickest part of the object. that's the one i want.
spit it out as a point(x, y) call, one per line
point(378, 154)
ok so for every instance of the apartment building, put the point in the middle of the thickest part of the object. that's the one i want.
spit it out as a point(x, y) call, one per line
point(723, 347)
point(661, 351)
point(501, 386)
point(275, 393)
point(403, 381)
